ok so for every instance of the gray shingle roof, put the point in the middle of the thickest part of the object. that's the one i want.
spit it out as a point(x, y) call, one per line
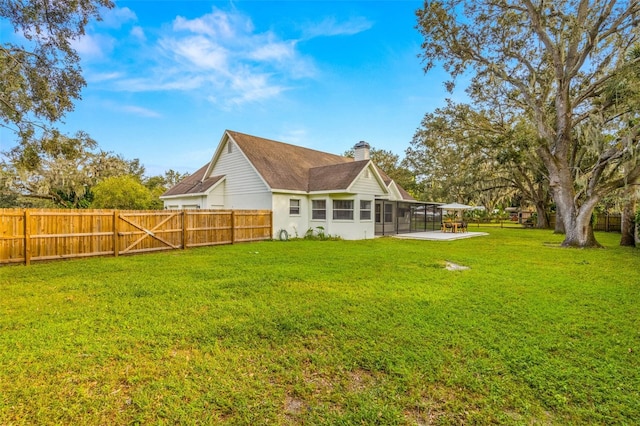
point(335, 177)
point(387, 180)
point(193, 184)
point(284, 166)
point(287, 167)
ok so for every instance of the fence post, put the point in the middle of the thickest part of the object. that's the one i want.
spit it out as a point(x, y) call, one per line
point(184, 229)
point(233, 226)
point(116, 219)
point(27, 238)
point(271, 222)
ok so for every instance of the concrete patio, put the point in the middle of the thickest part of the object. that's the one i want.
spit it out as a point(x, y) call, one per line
point(439, 236)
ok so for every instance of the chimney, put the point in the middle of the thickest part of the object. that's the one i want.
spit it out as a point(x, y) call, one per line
point(361, 151)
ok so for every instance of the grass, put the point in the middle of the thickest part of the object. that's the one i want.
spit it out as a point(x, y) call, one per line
point(327, 332)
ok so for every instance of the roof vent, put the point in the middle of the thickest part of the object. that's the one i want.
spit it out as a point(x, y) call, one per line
point(361, 151)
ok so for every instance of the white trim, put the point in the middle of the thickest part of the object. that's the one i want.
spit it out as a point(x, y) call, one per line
point(332, 191)
point(326, 209)
point(299, 207)
point(289, 191)
point(370, 210)
point(197, 194)
point(393, 189)
point(171, 197)
point(370, 167)
point(323, 192)
point(334, 210)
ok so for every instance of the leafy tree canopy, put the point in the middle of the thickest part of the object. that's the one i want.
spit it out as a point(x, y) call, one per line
point(63, 169)
point(122, 192)
point(480, 157)
point(566, 66)
point(40, 78)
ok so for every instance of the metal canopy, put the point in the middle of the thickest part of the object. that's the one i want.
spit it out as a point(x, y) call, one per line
point(455, 206)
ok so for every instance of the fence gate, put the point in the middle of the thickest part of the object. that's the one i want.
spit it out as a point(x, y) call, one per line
point(142, 232)
point(51, 234)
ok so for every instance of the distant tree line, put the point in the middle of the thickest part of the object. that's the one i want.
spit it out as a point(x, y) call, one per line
point(72, 172)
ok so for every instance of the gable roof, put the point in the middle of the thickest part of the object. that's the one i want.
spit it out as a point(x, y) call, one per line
point(281, 165)
point(193, 184)
point(390, 182)
point(286, 167)
point(337, 176)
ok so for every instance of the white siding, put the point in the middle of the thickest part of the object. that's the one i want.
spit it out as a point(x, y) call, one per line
point(216, 197)
point(244, 189)
point(349, 229)
point(367, 185)
point(293, 224)
point(186, 202)
point(394, 194)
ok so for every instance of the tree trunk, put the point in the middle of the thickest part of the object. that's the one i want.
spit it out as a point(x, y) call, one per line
point(543, 218)
point(559, 226)
point(576, 220)
point(578, 226)
point(628, 224)
point(581, 236)
point(559, 223)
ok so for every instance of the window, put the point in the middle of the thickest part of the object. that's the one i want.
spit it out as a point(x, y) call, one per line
point(294, 207)
point(343, 209)
point(365, 210)
point(378, 209)
point(388, 213)
point(319, 209)
point(229, 147)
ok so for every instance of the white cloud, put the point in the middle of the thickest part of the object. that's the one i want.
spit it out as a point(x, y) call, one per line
point(221, 56)
point(138, 33)
point(331, 27)
point(102, 77)
point(217, 24)
point(163, 82)
point(140, 111)
point(118, 16)
point(224, 58)
point(251, 87)
point(200, 51)
point(274, 51)
point(93, 45)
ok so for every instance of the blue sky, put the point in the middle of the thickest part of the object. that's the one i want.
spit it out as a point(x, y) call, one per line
point(166, 78)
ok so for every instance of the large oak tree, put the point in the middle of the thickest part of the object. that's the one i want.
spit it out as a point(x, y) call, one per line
point(557, 63)
point(480, 157)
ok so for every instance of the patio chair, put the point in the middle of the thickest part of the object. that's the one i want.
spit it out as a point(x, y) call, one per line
point(462, 227)
point(447, 227)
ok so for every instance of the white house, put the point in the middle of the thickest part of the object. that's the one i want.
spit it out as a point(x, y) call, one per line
point(305, 188)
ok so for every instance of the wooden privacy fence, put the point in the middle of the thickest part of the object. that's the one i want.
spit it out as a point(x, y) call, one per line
point(44, 234)
point(604, 222)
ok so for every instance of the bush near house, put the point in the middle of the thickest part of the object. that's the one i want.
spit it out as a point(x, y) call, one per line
point(121, 192)
point(327, 332)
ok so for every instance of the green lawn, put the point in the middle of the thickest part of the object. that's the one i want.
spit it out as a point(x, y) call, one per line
point(327, 332)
